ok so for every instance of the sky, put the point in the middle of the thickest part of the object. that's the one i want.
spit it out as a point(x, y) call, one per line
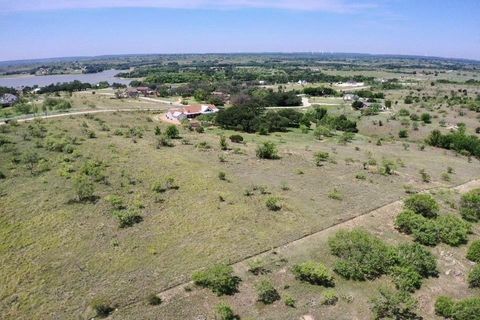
point(60, 28)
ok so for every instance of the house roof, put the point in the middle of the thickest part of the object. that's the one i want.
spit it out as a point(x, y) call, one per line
point(8, 98)
point(193, 109)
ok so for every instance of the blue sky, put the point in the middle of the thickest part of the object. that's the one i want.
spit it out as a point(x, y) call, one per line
point(57, 28)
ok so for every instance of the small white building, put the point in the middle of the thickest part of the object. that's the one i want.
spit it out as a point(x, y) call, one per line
point(190, 112)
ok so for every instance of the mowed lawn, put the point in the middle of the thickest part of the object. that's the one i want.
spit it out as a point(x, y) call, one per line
point(58, 254)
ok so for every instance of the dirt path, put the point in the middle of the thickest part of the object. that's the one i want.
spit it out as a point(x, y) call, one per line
point(391, 210)
point(76, 113)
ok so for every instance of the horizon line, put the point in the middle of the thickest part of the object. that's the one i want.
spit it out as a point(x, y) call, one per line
point(238, 53)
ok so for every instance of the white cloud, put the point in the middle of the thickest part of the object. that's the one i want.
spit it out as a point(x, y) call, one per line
point(339, 6)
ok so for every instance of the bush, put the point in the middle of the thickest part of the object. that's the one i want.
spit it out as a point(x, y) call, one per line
point(115, 201)
point(473, 253)
point(314, 273)
point(363, 256)
point(330, 297)
point(267, 150)
point(290, 301)
point(154, 300)
point(2, 175)
point(474, 277)
point(172, 132)
point(444, 306)
point(164, 141)
point(322, 132)
point(224, 312)
point(417, 257)
point(236, 138)
point(453, 231)
point(321, 157)
point(219, 279)
point(393, 305)
point(83, 187)
point(273, 204)
point(467, 309)
point(388, 167)
point(426, 118)
point(223, 143)
point(423, 204)
point(163, 186)
point(403, 133)
point(407, 221)
point(101, 307)
point(266, 292)
point(470, 205)
point(127, 218)
point(406, 278)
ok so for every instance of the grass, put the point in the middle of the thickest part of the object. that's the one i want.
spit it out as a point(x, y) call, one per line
point(58, 254)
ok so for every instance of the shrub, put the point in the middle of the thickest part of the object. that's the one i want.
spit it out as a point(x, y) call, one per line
point(474, 277)
point(163, 186)
point(427, 233)
point(267, 150)
point(236, 138)
point(426, 118)
point(406, 278)
point(388, 167)
point(330, 297)
point(314, 273)
point(223, 143)
point(407, 221)
point(473, 253)
point(403, 133)
point(322, 132)
point(470, 205)
point(115, 201)
point(127, 218)
point(164, 141)
point(101, 307)
point(467, 309)
point(224, 312)
point(363, 256)
point(453, 231)
point(423, 204)
point(335, 194)
point(417, 257)
point(266, 292)
point(2, 175)
point(273, 204)
point(219, 279)
point(83, 187)
point(257, 267)
point(158, 131)
point(94, 169)
point(172, 132)
point(290, 301)
point(444, 306)
point(154, 300)
point(425, 176)
point(390, 304)
point(222, 175)
point(321, 157)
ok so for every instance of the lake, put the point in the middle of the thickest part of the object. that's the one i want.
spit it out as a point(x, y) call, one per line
point(41, 81)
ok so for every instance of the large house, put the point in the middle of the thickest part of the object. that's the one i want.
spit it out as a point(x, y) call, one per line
point(8, 99)
point(190, 112)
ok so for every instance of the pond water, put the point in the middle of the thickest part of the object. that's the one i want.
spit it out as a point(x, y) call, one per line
point(41, 81)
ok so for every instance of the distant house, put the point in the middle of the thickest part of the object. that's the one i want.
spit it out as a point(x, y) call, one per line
point(8, 100)
point(302, 82)
point(146, 91)
point(131, 93)
point(350, 97)
point(190, 112)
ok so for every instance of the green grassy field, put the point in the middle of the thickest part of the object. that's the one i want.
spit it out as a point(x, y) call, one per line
point(59, 254)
